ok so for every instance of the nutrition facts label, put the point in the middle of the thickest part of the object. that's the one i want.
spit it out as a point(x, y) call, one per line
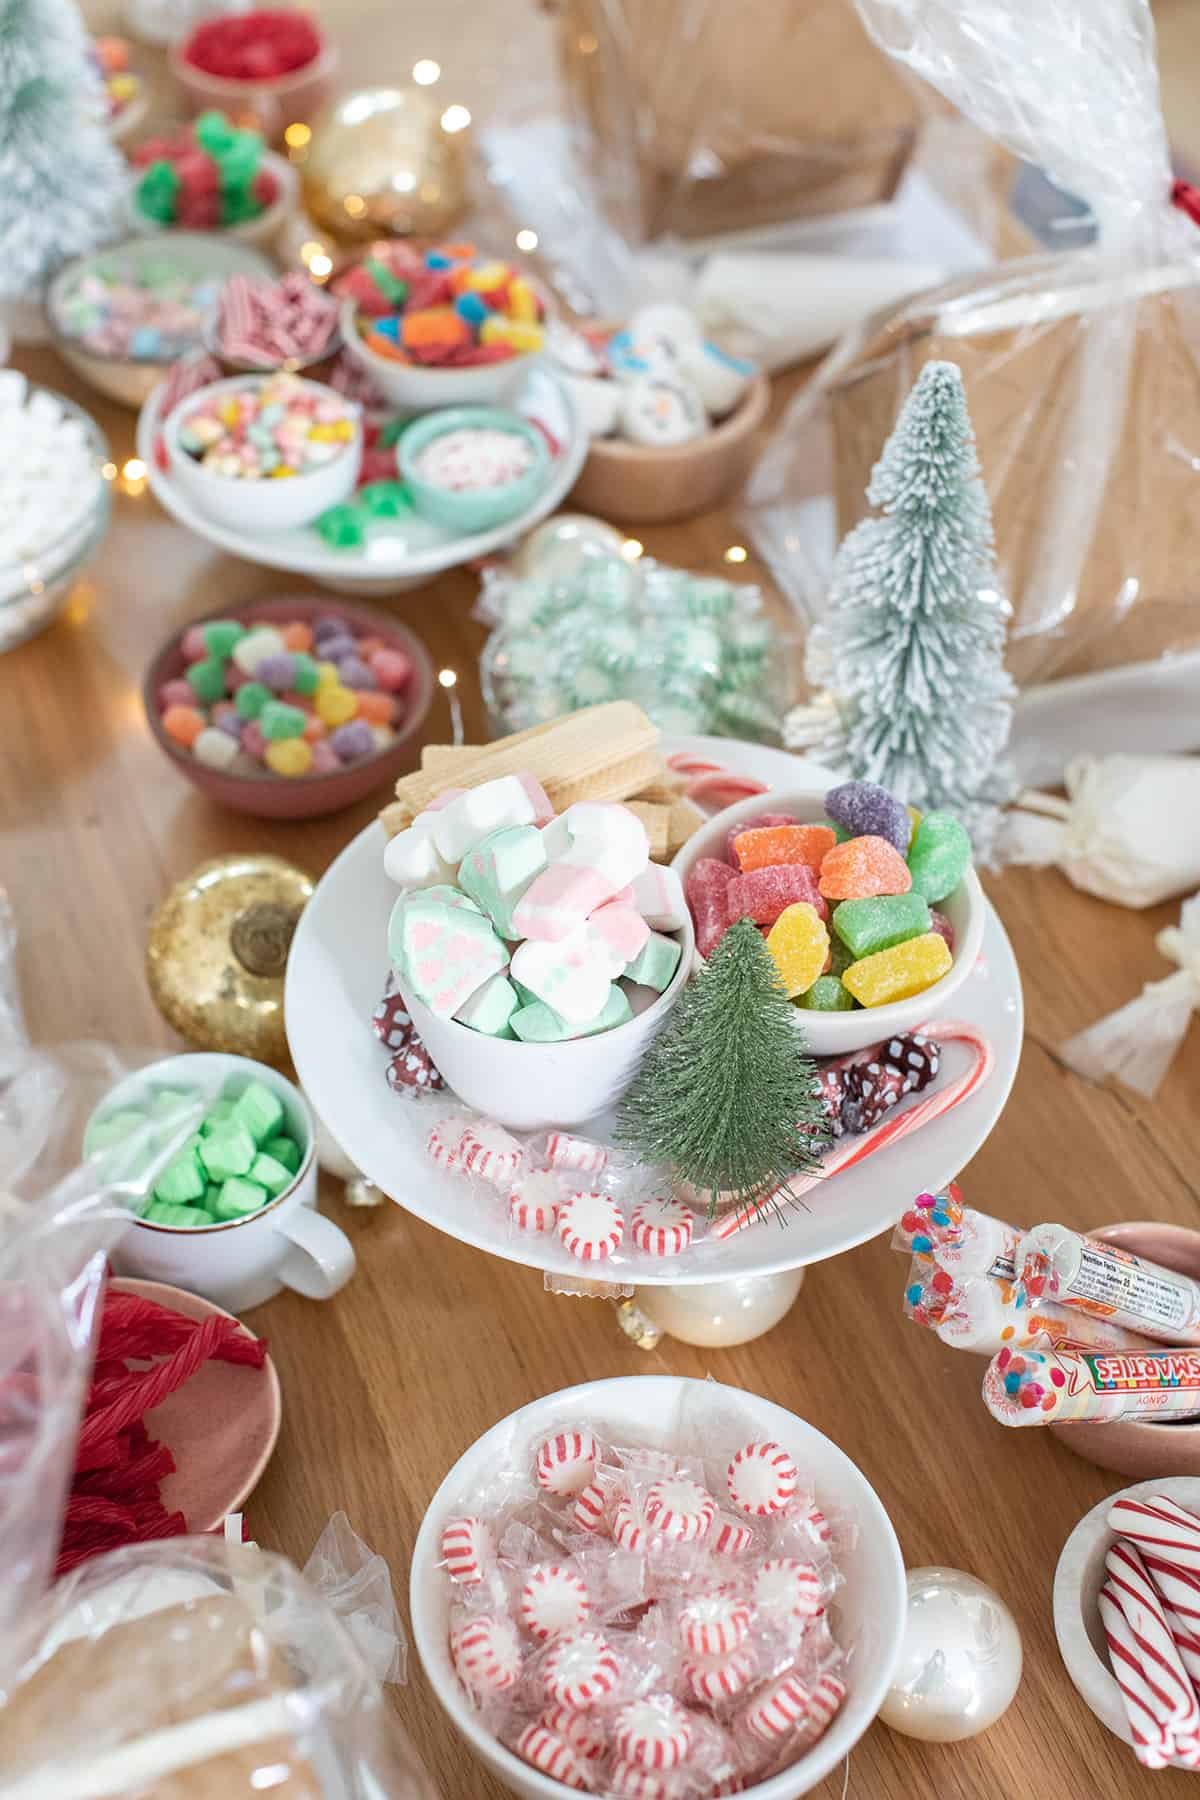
point(1110, 1283)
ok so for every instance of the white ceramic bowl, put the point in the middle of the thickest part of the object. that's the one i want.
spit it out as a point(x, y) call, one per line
point(1077, 1583)
point(870, 1607)
point(261, 506)
point(414, 388)
point(840, 1034)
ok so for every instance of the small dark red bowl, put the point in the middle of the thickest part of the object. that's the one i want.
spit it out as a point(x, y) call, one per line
point(301, 796)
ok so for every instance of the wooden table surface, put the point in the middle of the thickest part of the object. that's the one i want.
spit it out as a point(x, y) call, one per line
point(388, 1383)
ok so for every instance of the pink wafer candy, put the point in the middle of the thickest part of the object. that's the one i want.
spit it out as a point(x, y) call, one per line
point(773, 1713)
point(545, 1750)
point(714, 1624)
point(579, 1670)
point(730, 1537)
point(764, 893)
point(590, 1226)
point(553, 1599)
point(662, 1227)
point(444, 1143)
point(626, 1781)
point(575, 1153)
point(717, 1678)
point(466, 1549)
point(579, 1729)
point(824, 1703)
point(1145, 1706)
point(706, 888)
point(621, 931)
point(594, 1507)
point(566, 1462)
point(762, 1479)
point(490, 1152)
point(533, 1206)
point(1135, 1595)
point(680, 1509)
point(760, 822)
point(486, 1654)
point(557, 902)
point(654, 1733)
point(1159, 1524)
point(786, 1588)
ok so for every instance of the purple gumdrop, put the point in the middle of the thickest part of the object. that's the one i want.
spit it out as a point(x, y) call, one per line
point(866, 810)
point(355, 673)
point(353, 741)
point(276, 672)
point(333, 649)
point(229, 723)
point(326, 626)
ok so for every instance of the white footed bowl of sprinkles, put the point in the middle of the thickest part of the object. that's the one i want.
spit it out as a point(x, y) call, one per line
point(471, 467)
point(54, 503)
point(265, 453)
point(657, 1588)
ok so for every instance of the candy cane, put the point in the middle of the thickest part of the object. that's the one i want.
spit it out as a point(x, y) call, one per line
point(1161, 1662)
point(1158, 1524)
point(1143, 1707)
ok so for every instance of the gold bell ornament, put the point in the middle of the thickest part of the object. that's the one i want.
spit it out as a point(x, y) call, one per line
point(385, 162)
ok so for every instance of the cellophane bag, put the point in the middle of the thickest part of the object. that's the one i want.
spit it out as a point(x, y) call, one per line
point(1082, 369)
point(201, 1669)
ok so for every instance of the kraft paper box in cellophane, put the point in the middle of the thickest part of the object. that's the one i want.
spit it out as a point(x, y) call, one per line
point(1082, 374)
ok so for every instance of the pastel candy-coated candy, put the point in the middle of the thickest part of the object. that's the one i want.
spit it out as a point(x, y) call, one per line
point(250, 699)
point(215, 748)
point(498, 870)
point(571, 976)
point(538, 1023)
point(490, 1008)
point(278, 720)
point(658, 895)
point(445, 952)
point(352, 741)
point(355, 673)
point(557, 903)
point(655, 964)
point(479, 811)
point(867, 810)
point(940, 923)
point(706, 890)
point(764, 893)
point(194, 644)
point(863, 866)
point(298, 635)
point(276, 672)
point(324, 759)
point(335, 706)
point(375, 707)
point(253, 741)
point(880, 922)
point(760, 822)
point(799, 943)
point(183, 723)
point(899, 973)
point(306, 676)
point(289, 756)
point(827, 994)
point(220, 636)
point(609, 837)
point(940, 856)
point(769, 845)
point(392, 669)
point(207, 679)
point(622, 932)
point(175, 693)
point(250, 650)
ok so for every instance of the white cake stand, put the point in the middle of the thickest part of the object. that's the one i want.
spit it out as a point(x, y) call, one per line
point(716, 1292)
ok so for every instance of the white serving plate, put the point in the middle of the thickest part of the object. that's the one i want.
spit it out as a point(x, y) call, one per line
point(398, 553)
point(335, 977)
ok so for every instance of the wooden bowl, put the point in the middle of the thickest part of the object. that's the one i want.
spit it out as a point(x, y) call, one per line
point(639, 484)
point(1143, 1447)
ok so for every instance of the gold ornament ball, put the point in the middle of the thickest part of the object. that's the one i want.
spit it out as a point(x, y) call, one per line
point(383, 163)
point(217, 951)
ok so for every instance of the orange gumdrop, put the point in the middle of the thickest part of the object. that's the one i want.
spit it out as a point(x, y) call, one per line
point(297, 635)
point(375, 708)
point(861, 867)
point(766, 846)
point(183, 723)
point(314, 728)
point(367, 647)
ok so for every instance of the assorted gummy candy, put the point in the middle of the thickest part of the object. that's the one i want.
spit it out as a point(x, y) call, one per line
point(206, 177)
point(446, 308)
point(847, 906)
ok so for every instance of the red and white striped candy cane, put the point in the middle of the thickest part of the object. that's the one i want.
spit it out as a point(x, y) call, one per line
point(1134, 1593)
point(1160, 1525)
point(1177, 1588)
point(1144, 1707)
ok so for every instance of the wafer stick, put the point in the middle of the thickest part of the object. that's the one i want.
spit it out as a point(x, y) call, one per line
point(657, 823)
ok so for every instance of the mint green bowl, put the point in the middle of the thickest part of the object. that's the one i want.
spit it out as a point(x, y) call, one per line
point(480, 508)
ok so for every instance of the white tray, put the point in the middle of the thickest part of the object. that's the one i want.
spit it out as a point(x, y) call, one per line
point(398, 553)
point(335, 976)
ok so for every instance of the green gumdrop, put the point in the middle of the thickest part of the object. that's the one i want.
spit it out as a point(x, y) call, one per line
point(103, 1133)
point(880, 922)
point(278, 721)
point(157, 192)
point(839, 831)
point(207, 680)
point(213, 132)
point(939, 857)
point(215, 1117)
point(239, 160)
point(250, 699)
point(269, 1174)
point(306, 677)
point(342, 527)
point(385, 499)
point(389, 285)
point(839, 957)
point(827, 995)
point(220, 636)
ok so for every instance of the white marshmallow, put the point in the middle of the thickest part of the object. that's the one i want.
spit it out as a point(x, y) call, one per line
point(572, 976)
point(661, 413)
point(608, 837)
point(457, 828)
point(658, 896)
point(411, 859)
point(556, 839)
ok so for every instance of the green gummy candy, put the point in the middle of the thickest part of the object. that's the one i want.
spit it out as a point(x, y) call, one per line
point(841, 835)
point(220, 635)
point(278, 720)
point(269, 1174)
point(213, 132)
point(182, 1179)
point(157, 192)
point(342, 527)
point(839, 957)
point(827, 995)
point(207, 680)
point(496, 873)
point(112, 1129)
point(215, 1117)
point(389, 285)
point(285, 1150)
point(880, 922)
point(540, 1024)
point(385, 499)
point(391, 433)
point(229, 1151)
point(260, 1111)
point(655, 964)
point(238, 161)
point(164, 1212)
point(939, 856)
point(306, 677)
point(250, 699)
point(238, 1197)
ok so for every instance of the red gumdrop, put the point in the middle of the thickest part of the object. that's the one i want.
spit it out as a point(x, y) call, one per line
point(431, 288)
point(704, 889)
point(200, 213)
point(764, 893)
point(939, 923)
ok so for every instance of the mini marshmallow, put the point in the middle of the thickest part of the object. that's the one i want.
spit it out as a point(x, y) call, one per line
point(607, 836)
point(481, 810)
point(658, 896)
point(411, 858)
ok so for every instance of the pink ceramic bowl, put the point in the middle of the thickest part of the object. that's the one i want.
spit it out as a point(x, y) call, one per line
point(266, 106)
point(303, 796)
point(1145, 1448)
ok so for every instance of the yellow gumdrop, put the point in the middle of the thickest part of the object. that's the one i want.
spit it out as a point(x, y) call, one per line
point(799, 944)
point(289, 756)
point(327, 675)
point(899, 973)
point(335, 705)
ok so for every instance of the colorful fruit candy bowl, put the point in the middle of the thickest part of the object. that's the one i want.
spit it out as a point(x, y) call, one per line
point(290, 450)
point(655, 1412)
point(267, 68)
point(120, 317)
point(213, 176)
point(802, 918)
point(337, 771)
point(125, 90)
point(472, 467)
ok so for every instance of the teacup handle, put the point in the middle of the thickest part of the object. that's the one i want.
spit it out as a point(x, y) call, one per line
point(322, 1257)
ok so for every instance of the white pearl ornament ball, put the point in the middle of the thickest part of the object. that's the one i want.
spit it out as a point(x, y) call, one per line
point(960, 1661)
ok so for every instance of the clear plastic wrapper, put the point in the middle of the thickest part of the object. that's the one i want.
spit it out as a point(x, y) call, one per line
point(1081, 369)
point(206, 1670)
point(659, 1606)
